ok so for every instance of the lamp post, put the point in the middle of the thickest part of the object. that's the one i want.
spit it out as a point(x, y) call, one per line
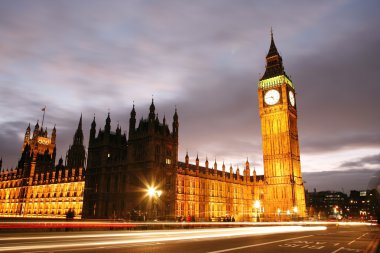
point(155, 195)
point(279, 213)
point(257, 205)
point(295, 210)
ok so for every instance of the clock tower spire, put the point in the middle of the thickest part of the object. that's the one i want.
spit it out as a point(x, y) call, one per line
point(284, 192)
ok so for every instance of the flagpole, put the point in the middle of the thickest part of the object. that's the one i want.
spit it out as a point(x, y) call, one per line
point(43, 117)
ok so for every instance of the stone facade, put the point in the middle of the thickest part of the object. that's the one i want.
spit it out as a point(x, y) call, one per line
point(38, 188)
point(284, 194)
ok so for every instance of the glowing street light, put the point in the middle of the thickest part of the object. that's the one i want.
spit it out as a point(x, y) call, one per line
point(153, 193)
point(295, 210)
point(257, 205)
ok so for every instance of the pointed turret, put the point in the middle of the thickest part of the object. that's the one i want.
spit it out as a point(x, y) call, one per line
point(53, 135)
point(92, 130)
point(78, 137)
point(175, 123)
point(118, 129)
point(187, 160)
point(197, 164)
point(107, 127)
point(215, 166)
point(132, 121)
point(27, 135)
point(152, 109)
point(76, 154)
point(36, 130)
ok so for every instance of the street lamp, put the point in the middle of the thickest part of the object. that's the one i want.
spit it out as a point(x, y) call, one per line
point(153, 193)
point(295, 210)
point(257, 205)
point(279, 213)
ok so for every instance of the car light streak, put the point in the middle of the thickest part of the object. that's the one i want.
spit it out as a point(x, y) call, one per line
point(132, 225)
point(159, 236)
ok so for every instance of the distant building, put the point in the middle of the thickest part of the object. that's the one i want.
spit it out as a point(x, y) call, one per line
point(363, 205)
point(326, 204)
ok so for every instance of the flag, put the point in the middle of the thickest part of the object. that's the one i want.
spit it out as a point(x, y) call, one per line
point(43, 109)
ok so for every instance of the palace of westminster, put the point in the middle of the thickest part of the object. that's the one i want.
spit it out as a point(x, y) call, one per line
point(139, 177)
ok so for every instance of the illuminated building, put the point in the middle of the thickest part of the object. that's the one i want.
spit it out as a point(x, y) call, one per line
point(212, 194)
point(284, 189)
point(141, 178)
point(38, 188)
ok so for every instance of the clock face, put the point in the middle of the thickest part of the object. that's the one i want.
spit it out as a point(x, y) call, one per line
point(292, 98)
point(271, 97)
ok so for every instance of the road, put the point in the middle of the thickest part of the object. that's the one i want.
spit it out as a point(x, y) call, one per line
point(294, 238)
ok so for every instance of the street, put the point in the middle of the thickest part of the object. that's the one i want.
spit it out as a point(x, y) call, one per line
point(292, 238)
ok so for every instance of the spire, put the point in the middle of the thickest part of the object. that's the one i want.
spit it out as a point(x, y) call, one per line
point(53, 135)
point(152, 108)
point(133, 112)
point(107, 127)
point(272, 49)
point(36, 130)
point(92, 130)
point(80, 122)
point(132, 121)
point(78, 136)
point(175, 123)
point(27, 135)
point(274, 66)
point(187, 159)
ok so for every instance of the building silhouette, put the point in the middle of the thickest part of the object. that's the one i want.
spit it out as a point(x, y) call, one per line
point(141, 178)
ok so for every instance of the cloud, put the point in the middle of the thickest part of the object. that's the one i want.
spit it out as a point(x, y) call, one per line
point(204, 57)
point(347, 180)
point(363, 162)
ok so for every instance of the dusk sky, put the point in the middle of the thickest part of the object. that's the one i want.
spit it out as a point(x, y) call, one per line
point(205, 58)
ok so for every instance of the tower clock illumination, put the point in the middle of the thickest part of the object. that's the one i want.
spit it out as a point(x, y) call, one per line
point(291, 98)
point(284, 187)
point(272, 97)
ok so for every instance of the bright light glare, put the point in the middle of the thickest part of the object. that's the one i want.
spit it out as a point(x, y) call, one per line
point(257, 204)
point(151, 191)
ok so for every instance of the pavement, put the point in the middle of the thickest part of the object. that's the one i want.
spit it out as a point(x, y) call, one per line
point(293, 238)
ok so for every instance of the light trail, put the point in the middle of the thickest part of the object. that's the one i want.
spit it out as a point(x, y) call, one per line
point(157, 236)
point(136, 225)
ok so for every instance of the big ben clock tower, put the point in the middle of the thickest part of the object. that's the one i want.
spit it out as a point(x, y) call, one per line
point(284, 196)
